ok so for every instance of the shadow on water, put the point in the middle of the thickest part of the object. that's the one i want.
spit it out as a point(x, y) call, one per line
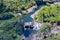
point(28, 32)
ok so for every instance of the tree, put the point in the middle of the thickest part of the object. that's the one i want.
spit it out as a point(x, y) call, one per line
point(11, 26)
point(54, 37)
point(45, 30)
point(44, 27)
point(10, 29)
point(18, 5)
point(48, 14)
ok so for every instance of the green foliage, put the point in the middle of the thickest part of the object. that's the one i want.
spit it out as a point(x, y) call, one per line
point(11, 23)
point(10, 27)
point(49, 13)
point(9, 36)
point(6, 16)
point(50, 38)
point(54, 37)
point(18, 5)
point(44, 27)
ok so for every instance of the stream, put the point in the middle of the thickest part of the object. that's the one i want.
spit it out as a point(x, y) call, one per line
point(29, 33)
point(27, 18)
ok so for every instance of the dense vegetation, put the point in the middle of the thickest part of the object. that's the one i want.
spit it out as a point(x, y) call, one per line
point(10, 27)
point(17, 5)
point(47, 33)
point(10, 22)
point(45, 30)
point(54, 37)
point(49, 13)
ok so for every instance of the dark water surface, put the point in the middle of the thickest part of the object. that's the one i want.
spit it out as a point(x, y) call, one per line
point(27, 18)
